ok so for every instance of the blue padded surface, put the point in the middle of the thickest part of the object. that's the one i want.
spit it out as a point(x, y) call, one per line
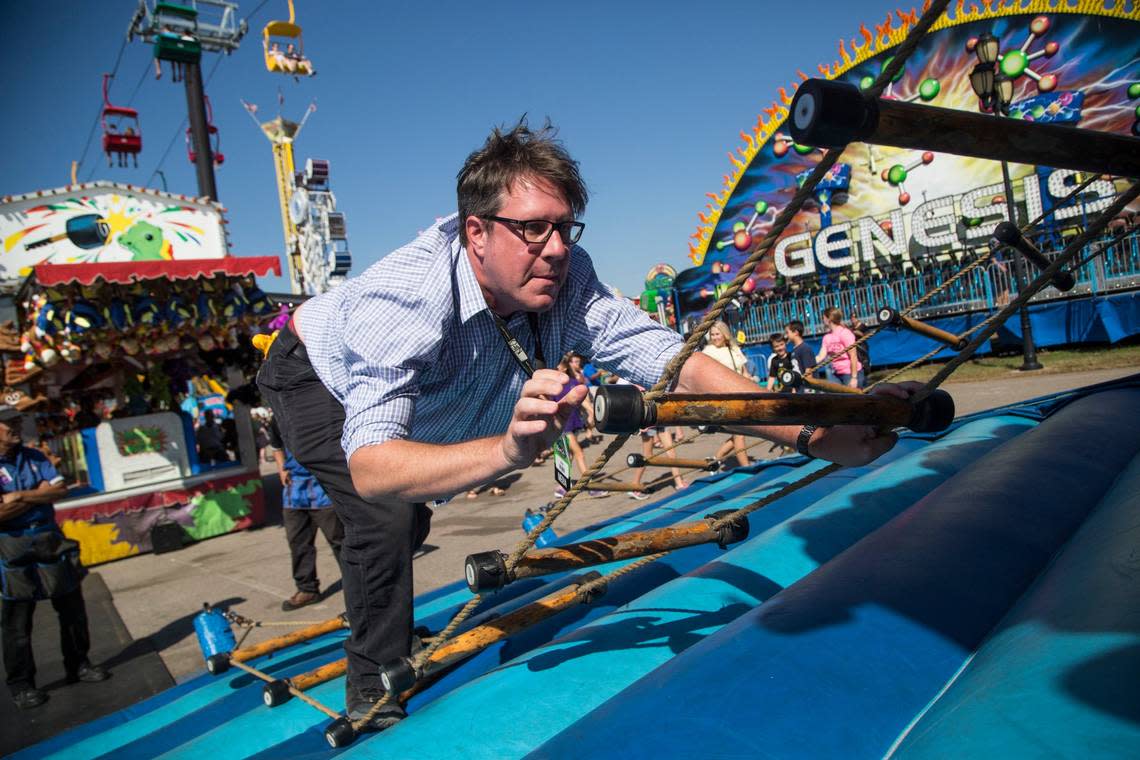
point(578, 671)
point(1061, 676)
point(839, 663)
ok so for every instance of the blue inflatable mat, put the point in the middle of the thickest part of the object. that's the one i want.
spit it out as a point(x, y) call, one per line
point(1061, 675)
point(838, 664)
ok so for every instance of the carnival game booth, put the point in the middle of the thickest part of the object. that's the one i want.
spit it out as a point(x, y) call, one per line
point(149, 337)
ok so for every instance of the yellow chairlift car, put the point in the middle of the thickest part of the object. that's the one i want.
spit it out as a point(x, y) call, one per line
point(285, 48)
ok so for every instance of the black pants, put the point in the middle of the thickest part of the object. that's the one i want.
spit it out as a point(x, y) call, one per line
point(16, 621)
point(301, 532)
point(379, 537)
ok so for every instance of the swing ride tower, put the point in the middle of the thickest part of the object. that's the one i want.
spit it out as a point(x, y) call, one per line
point(316, 238)
point(280, 133)
point(180, 32)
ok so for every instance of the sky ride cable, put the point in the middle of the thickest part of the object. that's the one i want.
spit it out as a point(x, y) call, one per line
point(99, 111)
point(180, 130)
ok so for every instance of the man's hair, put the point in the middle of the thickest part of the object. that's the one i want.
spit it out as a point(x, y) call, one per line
point(797, 327)
point(775, 338)
point(506, 157)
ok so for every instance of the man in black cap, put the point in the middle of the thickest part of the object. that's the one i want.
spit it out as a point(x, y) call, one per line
point(36, 562)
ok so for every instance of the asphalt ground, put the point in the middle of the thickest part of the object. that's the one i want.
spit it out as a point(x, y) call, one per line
point(156, 596)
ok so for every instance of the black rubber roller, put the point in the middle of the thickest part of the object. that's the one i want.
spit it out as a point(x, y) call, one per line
point(635, 460)
point(620, 409)
point(890, 317)
point(276, 693)
point(732, 532)
point(398, 675)
point(826, 114)
point(1008, 233)
point(218, 664)
point(933, 414)
point(340, 733)
point(485, 571)
point(789, 378)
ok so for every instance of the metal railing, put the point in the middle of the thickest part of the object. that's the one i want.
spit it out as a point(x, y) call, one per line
point(983, 289)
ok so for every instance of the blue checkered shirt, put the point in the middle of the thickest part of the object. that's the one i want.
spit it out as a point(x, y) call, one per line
point(411, 350)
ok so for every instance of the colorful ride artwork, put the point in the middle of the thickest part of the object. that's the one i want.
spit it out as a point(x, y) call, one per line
point(885, 214)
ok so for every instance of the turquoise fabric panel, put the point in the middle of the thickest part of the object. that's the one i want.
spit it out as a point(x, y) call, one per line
point(839, 663)
point(569, 677)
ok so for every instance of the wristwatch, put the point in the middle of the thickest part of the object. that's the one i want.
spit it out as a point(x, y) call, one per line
point(804, 438)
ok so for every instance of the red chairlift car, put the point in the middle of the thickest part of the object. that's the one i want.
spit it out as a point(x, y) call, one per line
point(122, 134)
point(215, 138)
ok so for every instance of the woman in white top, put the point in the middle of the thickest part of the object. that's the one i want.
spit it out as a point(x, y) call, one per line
point(723, 348)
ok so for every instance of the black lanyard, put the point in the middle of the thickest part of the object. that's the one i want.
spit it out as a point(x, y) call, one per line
point(516, 349)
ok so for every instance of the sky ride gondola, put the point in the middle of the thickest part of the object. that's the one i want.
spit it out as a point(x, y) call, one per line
point(177, 38)
point(215, 138)
point(284, 47)
point(122, 134)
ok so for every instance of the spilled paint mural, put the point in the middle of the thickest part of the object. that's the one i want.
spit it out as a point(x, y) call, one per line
point(105, 222)
point(882, 208)
point(121, 527)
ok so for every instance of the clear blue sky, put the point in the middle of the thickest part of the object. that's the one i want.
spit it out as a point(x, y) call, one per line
point(649, 97)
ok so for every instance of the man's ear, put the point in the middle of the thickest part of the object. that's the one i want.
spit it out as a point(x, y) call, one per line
point(477, 232)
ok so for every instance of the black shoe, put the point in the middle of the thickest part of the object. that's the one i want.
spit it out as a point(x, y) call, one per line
point(299, 600)
point(29, 698)
point(358, 702)
point(88, 673)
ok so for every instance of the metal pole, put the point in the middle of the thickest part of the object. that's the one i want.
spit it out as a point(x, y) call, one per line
point(196, 109)
point(1028, 349)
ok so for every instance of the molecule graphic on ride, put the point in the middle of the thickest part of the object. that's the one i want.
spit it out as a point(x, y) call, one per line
point(927, 91)
point(897, 174)
point(742, 232)
point(1015, 63)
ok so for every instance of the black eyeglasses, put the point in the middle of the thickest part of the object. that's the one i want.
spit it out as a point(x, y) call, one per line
point(538, 231)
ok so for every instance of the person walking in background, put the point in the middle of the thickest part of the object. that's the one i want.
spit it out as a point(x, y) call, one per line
point(574, 422)
point(211, 441)
point(666, 439)
point(576, 370)
point(801, 352)
point(862, 349)
point(305, 509)
point(722, 347)
point(839, 342)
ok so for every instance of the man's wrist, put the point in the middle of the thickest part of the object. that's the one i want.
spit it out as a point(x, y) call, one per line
point(803, 440)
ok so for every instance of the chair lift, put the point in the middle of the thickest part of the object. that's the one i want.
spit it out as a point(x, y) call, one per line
point(285, 48)
point(177, 38)
point(122, 134)
point(214, 136)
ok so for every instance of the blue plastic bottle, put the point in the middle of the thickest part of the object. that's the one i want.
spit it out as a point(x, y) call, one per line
point(531, 519)
point(214, 633)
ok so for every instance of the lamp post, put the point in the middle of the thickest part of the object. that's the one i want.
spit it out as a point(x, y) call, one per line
point(995, 91)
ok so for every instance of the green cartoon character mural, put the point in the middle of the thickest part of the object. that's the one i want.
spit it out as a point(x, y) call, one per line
point(145, 242)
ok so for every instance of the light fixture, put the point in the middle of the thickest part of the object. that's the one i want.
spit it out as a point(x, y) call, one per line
point(1004, 90)
point(987, 48)
point(982, 80)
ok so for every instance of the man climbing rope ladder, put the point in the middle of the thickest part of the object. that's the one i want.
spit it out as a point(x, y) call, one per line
point(372, 384)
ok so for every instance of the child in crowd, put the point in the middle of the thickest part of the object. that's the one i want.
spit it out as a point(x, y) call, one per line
point(780, 359)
